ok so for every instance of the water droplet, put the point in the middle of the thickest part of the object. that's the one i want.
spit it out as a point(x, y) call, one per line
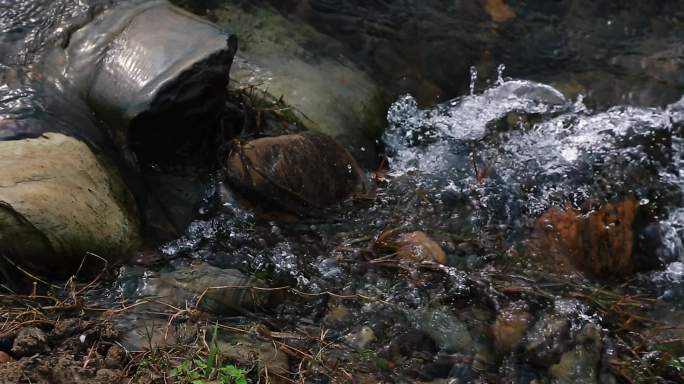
point(644, 201)
point(473, 79)
point(499, 74)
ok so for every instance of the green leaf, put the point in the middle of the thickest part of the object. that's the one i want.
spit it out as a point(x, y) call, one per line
point(213, 350)
point(232, 374)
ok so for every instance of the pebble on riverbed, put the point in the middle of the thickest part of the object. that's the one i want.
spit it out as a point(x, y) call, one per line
point(580, 365)
point(294, 172)
point(547, 340)
point(413, 246)
point(599, 243)
point(509, 329)
point(5, 357)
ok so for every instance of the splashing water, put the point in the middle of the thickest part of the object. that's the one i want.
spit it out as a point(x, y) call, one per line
point(473, 80)
point(499, 74)
point(519, 148)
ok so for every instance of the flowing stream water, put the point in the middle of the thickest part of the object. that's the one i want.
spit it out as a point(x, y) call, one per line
point(496, 164)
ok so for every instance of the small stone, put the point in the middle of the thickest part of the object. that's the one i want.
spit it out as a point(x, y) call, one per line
point(411, 344)
point(416, 246)
point(116, 356)
point(30, 341)
point(547, 340)
point(599, 243)
point(580, 365)
point(509, 329)
point(498, 11)
point(419, 247)
point(5, 357)
point(449, 333)
point(360, 338)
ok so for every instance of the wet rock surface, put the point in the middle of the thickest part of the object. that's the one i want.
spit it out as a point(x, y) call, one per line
point(310, 71)
point(215, 290)
point(75, 86)
point(580, 365)
point(294, 172)
point(430, 279)
point(599, 243)
point(58, 202)
point(414, 246)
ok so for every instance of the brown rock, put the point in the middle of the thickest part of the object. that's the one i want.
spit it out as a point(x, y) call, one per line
point(5, 357)
point(292, 172)
point(509, 329)
point(599, 243)
point(416, 246)
point(498, 11)
point(116, 356)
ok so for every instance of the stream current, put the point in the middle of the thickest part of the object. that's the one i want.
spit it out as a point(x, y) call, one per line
point(474, 173)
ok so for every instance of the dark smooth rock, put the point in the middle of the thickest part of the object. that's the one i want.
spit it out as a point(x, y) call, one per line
point(294, 172)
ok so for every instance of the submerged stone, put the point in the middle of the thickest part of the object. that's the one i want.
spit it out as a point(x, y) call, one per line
point(450, 334)
point(547, 340)
point(294, 172)
point(214, 290)
point(581, 364)
point(509, 329)
point(414, 246)
point(599, 243)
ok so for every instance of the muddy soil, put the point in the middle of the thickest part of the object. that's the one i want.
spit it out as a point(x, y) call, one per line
point(69, 350)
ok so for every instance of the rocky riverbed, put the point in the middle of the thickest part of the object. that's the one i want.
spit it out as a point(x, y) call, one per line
point(328, 228)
